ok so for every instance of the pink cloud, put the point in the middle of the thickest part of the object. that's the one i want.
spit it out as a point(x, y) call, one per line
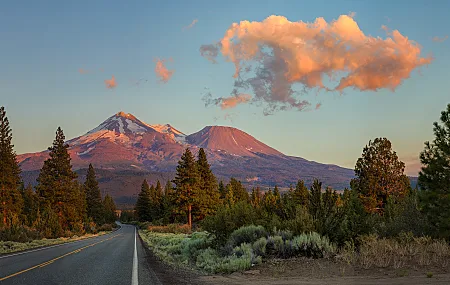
point(83, 71)
point(162, 72)
point(233, 101)
point(440, 40)
point(191, 24)
point(111, 83)
point(271, 56)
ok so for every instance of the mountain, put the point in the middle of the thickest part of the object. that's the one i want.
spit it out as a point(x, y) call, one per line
point(126, 150)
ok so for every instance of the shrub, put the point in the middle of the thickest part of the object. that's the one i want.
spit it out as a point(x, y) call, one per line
point(19, 234)
point(246, 234)
point(228, 219)
point(312, 245)
point(259, 246)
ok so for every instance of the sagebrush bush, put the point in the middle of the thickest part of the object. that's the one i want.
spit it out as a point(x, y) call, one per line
point(19, 234)
point(170, 228)
point(312, 245)
point(247, 234)
point(259, 247)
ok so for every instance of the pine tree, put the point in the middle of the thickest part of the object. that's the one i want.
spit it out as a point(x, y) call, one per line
point(57, 188)
point(301, 194)
point(144, 203)
point(110, 209)
point(230, 198)
point(186, 185)
point(11, 202)
point(209, 195)
point(158, 203)
point(434, 178)
point(256, 197)
point(222, 190)
point(94, 202)
point(167, 203)
point(30, 205)
point(315, 201)
point(239, 191)
point(379, 175)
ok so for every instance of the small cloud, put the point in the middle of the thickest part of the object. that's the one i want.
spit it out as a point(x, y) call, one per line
point(318, 105)
point(191, 24)
point(233, 101)
point(82, 71)
point(111, 83)
point(440, 40)
point(162, 72)
point(210, 52)
point(226, 102)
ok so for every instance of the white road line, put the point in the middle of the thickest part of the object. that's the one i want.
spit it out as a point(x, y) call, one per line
point(56, 245)
point(134, 277)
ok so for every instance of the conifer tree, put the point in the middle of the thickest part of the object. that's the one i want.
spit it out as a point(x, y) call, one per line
point(315, 200)
point(186, 185)
point(157, 204)
point(57, 188)
point(434, 178)
point(110, 209)
point(239, 191)
point(230, 198)
point(11, 202)
point(167, 203)
point(379, 175)
point(30, 205)
point(222, 190)
point(144, 203)
point(94, 202)
point(256, 197)
point(209, 196)
point(301, 194)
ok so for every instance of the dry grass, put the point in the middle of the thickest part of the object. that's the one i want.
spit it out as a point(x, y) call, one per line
point(12, 246)
point(399, 253)
point(171, 228)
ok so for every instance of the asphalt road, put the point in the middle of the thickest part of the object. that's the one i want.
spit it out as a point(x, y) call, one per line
point(115, 258)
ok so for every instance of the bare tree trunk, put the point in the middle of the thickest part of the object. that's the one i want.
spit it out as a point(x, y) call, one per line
point(190, 216)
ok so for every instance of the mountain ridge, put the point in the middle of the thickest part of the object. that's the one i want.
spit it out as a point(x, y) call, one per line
point(124, 143)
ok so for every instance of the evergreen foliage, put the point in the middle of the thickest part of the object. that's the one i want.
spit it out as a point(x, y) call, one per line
point(434, 178)
point(11, 201)
point(94, 204)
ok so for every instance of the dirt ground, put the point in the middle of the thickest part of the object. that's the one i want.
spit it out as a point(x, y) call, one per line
point(310, 271)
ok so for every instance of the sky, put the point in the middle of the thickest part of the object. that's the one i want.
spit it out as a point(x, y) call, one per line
point(315, 79)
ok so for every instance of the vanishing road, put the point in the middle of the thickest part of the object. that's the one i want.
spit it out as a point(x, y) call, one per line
point(115, 258)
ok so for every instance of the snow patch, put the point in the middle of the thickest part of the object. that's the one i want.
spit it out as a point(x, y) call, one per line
point(234, 139)
point(134, 128)
point(86, 151)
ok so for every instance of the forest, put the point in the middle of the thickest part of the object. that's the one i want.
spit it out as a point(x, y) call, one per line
point(59, 206)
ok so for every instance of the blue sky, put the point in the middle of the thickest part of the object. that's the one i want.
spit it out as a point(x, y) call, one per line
point(45, 43)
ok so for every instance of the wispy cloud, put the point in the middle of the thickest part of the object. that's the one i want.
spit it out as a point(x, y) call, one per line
point(271, 56)
point(440, 40)
point(83, 71)
point(191, 24)
point(225, 102)
point(111, 83)
point(162, 72)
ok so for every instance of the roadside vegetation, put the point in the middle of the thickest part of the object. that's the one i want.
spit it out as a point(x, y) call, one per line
point(379, 222)
point(14, 246)
point(58, 207)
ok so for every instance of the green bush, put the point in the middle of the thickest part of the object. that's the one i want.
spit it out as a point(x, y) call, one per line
point(229, 219)
point(19, 234)
point(312, 245)
point(247, 234)
point(259, 246)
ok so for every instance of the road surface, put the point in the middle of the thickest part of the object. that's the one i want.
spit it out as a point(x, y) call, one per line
point(115, 258)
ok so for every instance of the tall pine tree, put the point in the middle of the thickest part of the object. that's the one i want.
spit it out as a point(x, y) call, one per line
point(110, 209)
point(57, 188)
point(94, 203)
point(10, 197)
point(186, 185)
point(209, 196)
point(434, 178)
point(144, 203)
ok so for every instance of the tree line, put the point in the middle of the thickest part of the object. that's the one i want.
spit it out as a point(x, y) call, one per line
point(380, 198)
point(59, 205)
